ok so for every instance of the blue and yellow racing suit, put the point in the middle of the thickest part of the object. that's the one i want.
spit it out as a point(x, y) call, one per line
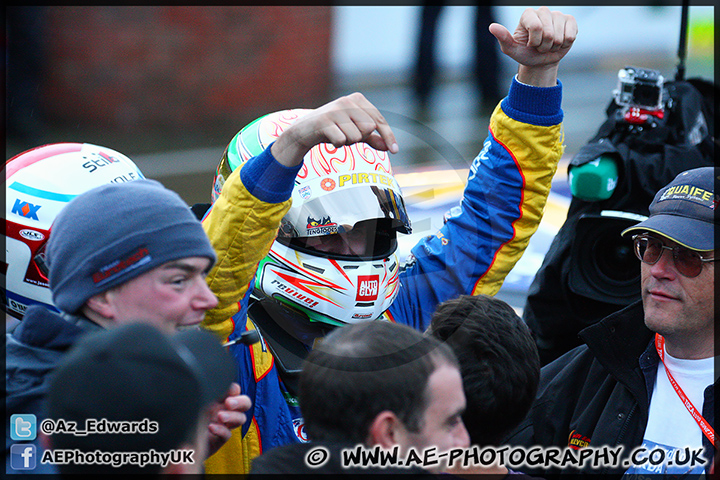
point(502, 205)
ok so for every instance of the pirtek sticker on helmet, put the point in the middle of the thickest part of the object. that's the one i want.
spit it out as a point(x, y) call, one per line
point(367, 288)
point(25, 209)
point(358, 178)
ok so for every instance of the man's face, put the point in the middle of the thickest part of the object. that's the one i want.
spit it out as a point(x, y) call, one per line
point(351, 243)
point(172, 295)
point(367, 238)
point(442, 426)
point(679, 308)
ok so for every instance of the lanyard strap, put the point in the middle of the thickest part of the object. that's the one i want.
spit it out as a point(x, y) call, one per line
point(704, 425)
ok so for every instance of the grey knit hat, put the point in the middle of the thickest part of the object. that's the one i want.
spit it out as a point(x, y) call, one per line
point(116, 232)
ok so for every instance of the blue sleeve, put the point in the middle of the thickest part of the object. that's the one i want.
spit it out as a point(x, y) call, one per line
point(535, 105)
point(267, 179)
point(508, 183)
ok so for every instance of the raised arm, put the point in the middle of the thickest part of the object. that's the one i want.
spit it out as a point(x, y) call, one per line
point(508, 182)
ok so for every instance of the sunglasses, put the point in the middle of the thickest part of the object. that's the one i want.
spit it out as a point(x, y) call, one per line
point(688, 262)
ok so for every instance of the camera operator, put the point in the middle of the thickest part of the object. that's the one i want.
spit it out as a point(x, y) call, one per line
point(654, 130)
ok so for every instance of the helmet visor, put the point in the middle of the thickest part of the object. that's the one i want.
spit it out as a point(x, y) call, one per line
point(338, 211)
point(367, 240)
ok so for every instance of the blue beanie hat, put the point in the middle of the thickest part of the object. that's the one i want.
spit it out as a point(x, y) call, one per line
point(116, 232)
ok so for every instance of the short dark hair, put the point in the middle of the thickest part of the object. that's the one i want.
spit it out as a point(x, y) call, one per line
point(363, 369)
point(498, 359)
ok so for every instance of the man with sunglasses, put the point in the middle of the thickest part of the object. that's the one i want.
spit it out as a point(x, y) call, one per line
point(644, 378)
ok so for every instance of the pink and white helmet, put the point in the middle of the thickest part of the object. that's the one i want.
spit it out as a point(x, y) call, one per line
point(38, 184)
point(335, 190)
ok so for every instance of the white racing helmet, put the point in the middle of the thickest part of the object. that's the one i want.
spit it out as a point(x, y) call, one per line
point(38, 184)
point(336, 190)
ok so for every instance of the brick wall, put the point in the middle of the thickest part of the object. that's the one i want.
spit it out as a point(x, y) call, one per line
point(183, 68)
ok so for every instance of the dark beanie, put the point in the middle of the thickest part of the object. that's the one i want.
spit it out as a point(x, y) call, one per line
point(116, 232)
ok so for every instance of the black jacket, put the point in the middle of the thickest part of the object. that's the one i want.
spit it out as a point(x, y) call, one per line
point(32, 351)
point(559, 303)
point(600, 392)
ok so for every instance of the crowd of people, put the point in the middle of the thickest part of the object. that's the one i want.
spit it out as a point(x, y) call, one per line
point(142, 325)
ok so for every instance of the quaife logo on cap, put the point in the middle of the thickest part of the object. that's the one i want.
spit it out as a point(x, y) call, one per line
point(140, 257)
point(684, 210)
point(689, 193)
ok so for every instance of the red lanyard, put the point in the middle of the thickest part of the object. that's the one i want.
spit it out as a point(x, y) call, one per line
point(704, 425)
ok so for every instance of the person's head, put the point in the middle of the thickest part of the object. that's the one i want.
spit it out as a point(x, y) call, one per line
point(339, 234)
point(381, 383)
point(38, 184)
point(165, 385)
point(498, 361)
point(123, 252)
point(676, 245)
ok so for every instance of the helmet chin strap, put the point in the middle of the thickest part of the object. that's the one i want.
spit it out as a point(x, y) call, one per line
point(288, 334)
